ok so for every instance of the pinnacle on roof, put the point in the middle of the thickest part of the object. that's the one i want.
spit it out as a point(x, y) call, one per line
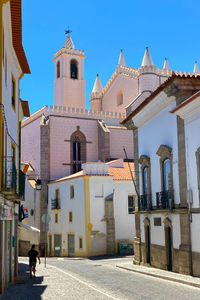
point(147, 60)
point(97, 85)
point(166, 65)
point(196, 69)
point(69, 43)
point(121, 59)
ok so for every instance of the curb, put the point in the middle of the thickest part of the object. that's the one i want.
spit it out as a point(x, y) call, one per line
point(194, 284)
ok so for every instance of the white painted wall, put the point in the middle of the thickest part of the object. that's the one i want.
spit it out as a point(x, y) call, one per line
point(158, 232)
point(77, 206)
point(192, 129)
point(160, 130)
point(124, 222)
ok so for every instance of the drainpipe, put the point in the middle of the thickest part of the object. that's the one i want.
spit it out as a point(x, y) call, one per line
point(190, 238)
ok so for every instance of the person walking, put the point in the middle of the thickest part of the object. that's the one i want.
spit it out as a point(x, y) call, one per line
point(33, 255)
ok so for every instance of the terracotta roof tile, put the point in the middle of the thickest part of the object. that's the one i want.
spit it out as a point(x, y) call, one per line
point(16, 19)
point(122, 173)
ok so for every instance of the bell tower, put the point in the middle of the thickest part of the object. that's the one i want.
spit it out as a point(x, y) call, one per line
point(69, 84)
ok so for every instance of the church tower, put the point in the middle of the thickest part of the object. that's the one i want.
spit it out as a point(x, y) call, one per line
point(69, 84)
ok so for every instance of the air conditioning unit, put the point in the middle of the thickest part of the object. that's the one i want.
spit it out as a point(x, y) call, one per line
point(189, 196)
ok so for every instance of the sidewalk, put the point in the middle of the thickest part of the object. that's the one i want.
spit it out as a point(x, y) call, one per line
point(162, 274)
point(36, 288)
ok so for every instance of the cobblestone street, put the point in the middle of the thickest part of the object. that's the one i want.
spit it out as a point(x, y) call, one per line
point(94, 279)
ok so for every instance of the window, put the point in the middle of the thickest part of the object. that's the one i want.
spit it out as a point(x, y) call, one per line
point(78, 150)
point(80, 243)
point(74, 69)
point(71, 192)
point(99, 190)
point(131, 204)
point(56, 218)
point(70, 217)
point(145, 180)
point(119, 97)
point(56, 201)
point(166, 173)
point(13, 93)
point(58, 69)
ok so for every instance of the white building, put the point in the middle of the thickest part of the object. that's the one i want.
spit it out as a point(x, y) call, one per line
point(165, 151)
point(91, 211)
point(189, 111)
point(13, 65)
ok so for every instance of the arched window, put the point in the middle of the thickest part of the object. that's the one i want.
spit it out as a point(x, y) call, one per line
point(78, 150)
point(166, 168)
point(119, 97)
point(58, 69)
point(145, 181)
point(74, 69)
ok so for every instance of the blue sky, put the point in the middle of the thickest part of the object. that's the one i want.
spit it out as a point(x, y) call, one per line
point(169, 27)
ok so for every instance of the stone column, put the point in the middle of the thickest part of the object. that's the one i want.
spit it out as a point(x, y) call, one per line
point(103, 141)
point(44, 175)
point(110, 225)
point(137, 239)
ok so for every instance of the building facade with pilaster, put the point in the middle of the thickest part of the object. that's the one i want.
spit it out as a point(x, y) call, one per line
point(166, 219)
point(13, 65)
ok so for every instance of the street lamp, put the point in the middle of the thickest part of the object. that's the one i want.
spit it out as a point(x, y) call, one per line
point(38, 185)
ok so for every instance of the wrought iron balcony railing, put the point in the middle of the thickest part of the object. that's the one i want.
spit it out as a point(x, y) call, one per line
point(165, 200)
point(55, 204)
point(9, 174)
point(10, 177)
point(144, 202)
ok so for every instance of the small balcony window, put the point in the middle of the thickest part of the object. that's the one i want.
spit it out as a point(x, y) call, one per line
point(131, 204)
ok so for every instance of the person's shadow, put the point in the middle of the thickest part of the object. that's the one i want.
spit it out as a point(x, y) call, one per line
point(25, 287)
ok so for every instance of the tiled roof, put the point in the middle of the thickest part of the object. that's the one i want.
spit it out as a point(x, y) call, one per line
point(25, 108)
point(122, 173)
point(16, 19)
point(156, 92)
point(188, 100)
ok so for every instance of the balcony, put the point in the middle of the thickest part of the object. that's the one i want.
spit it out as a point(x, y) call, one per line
point(55, 204)
point(10, 179)
point(144, 202)
point(165, 200)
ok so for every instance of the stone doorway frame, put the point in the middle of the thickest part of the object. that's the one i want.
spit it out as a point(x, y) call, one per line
point(168, 225)
point(147, 233)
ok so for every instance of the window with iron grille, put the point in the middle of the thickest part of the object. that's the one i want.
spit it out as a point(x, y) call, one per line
point(131, 204)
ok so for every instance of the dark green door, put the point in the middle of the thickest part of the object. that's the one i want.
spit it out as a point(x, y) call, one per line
point(70, 245)
point(57, 244)
point(148, 245)
point(50, 245)
point(169, 233)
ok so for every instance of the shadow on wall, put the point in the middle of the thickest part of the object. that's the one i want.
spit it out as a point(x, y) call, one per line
point(24, 287)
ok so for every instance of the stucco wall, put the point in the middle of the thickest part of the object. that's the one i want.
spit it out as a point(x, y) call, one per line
point(77, 206)
point(158, 232)
point(160, 130)
point(192, 127)
point(30, 142)
point(129, 87)
point(119, 139)
point(61, 129)
point(124, 222)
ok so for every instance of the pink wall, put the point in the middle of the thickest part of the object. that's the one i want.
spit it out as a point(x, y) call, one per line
point(129, 88)
point(120, 138)
point(30, 139)
point(61, 129)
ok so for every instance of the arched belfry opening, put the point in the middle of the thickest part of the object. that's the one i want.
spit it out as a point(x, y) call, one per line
point(74, 69)
point(58, 69)
point(78, 150)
